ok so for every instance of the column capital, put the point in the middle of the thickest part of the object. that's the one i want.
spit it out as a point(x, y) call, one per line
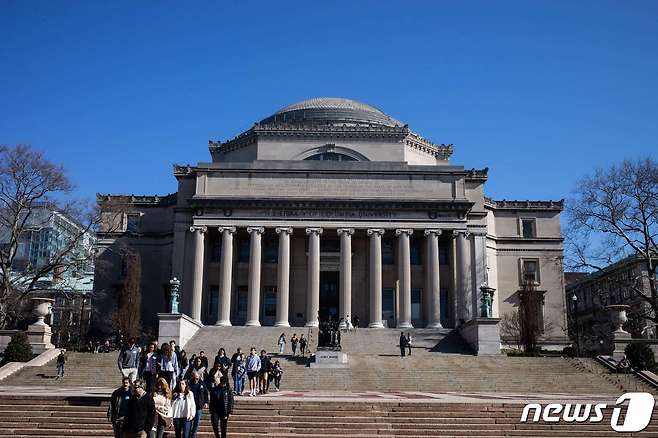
point(407, 231)
point(230, 229)
point(377, 231)
point(257, 230)
point(317, 231)
point(464, 233)
point(435, 231)
point(200, 228)
point(347, 231)
point(286, 230)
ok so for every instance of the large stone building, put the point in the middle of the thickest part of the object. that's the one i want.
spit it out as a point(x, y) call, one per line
point(331, 208)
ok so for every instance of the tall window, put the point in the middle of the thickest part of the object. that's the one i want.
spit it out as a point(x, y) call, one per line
point(243, 250)
point(242, 302)
point(132, 222)
point(388, 305)
point(444, 254)
point(271, 253)
point(330, 156)
point(416, 303)
point(529, 228)
point(415, 252)
point(269, 305)
point(530, 270)
point(213, 302)
point(388, 252)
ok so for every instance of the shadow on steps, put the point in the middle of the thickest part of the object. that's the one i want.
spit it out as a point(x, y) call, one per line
point(452, 343)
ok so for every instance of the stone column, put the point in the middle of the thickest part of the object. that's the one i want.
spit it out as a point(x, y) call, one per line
point(197, 280)
point(313, 291)
point(253, 306)
point(464, 277)
point(345, 303)
point(376, 278)
point(404, 274)
point(283, 285)
point(225, 277)
point(434, 313)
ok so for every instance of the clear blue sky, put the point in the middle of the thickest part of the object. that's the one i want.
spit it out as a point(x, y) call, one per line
point(539, 91)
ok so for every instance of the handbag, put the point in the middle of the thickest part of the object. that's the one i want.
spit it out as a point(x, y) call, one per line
point(167, 422)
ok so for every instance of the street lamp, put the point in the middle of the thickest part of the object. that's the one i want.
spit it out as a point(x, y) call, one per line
point(175, 285)
point(574, 300)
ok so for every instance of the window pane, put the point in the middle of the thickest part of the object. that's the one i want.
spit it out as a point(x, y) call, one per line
point(416, 309)
point(242, 302)
point(528, 226)
point(388, 252)
point(271, 250)
point(415, 252)
point(388, 304)
point(444, 255)
point(243, 251)
point(270, 302)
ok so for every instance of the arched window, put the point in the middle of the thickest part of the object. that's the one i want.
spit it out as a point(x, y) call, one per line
point(330, 156)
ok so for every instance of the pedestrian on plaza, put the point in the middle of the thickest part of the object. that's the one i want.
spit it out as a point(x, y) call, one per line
point(61, 362)
point(263, 373)
point(403, 344)
point(356, 322)
point(210, 376)
point(223, 360)
point(235, 357)
point(168, 365)
point(199, 390)
point(240, 375)
point(116, 412)
point(162, 402)
point(204, 359)
point(128, 360)
point(150, 367)
point(282, 343)
point(253, 367)
point(198, 368)
point(409, 342)
point(183, 410)
point(221, 406)
point(140, 413)
point(277, 372)
point(183, 363)
point(293, 344)
point(302, 344)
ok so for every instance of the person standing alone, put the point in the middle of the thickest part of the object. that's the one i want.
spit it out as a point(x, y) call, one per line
point(403, 344)
point(61, 362)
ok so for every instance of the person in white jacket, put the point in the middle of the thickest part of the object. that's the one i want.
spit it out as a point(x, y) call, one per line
point(183, 410)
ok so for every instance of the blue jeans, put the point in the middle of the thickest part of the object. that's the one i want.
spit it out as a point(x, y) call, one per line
point(195, 423)
point(182, 427)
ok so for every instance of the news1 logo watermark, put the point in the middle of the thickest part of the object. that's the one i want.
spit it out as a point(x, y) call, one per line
point(638, 412)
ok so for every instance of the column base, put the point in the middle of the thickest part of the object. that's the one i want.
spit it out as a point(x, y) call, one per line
point(224, 323)
point(434, 325)
point(282, 324)
point(311, 324)
point(252, 323)
point(405, 325)
point(377, 324)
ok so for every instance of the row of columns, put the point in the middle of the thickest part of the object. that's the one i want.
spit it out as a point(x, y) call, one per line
point(313, 279)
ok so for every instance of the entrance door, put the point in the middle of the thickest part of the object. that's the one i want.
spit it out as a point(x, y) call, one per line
point(329, 295)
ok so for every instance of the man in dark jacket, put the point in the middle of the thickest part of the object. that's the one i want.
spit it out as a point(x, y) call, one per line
point(403, 344)
point(200, 391)
point(140, 413)
point(221, 405)
point(119, 406)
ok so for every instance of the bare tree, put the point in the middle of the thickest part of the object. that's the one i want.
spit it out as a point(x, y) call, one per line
point(510, 328)
point(128, 319)
point(613, 215)
point(30, 185)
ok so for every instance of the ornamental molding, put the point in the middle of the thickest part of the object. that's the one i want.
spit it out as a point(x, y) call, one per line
point(524, 205)
point(200, 228)
point(108, 199)
point(317, 231)
point(375, 231)
point(434, 231)
point(284, 230)
point(257, 230)
point(407, 231)
point(346, 231)
point(439, 151)
point(229, 229)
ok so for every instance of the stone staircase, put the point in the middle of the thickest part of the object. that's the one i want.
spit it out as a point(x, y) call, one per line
point(47, 417)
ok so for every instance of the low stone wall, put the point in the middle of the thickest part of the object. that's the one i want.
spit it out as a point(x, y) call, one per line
point(178, 327)
point(482, 335)
point(40, 360)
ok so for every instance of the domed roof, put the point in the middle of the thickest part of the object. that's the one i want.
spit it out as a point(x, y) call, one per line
point(330, 111)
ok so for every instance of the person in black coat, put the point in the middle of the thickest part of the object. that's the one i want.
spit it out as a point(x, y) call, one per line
point(118, 408)
point(140, 412)
point(221, 405)
point(403, 344)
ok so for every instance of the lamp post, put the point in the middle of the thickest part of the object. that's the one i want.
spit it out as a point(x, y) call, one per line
point(175, 285)
point(574, 300)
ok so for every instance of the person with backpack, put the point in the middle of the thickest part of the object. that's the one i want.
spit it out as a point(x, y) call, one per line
point(403, 344)
point(293, 344)
point(302, 344)
point(61, 362)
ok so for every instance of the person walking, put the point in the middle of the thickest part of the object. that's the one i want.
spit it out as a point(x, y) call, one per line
point(183, 364)
point(403, 344)
point(140, 413)
point(168, 364)
point(224, 361)
point(150, 368)
point(293, 344)
point(253, 367)
point(61, 362)
point(277, 372)
point(409, 342)
point(221, 406)
point(199, 390)
point(240, 369)
point(263, 373)
point(116, 412)
point(128, 360)
point(282, 343)
point(235, 356)
point(204, 359)
point(198, 368)
point(183, 410)
point(162, 402)
point(302, 344)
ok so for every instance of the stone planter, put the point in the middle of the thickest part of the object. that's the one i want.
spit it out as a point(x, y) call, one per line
point(618, 316)
point(42, 308)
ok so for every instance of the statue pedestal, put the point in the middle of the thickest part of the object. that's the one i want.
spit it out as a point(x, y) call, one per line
point(177, 327)
point(482, 335)
point(39, 337)
point(620, 340)
point(330, 359)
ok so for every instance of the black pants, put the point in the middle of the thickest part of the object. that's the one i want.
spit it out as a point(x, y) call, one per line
point(402, 351)
point(149, 377)
point(277, 381)
point(168, 376)
point(219, 425)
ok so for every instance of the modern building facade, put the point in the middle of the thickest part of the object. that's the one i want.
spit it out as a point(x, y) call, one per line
point(329, 208)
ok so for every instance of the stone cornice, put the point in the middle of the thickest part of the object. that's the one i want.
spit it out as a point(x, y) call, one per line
point(440, 151)
point(477, 174)
point(153, 200)
point(549, 205)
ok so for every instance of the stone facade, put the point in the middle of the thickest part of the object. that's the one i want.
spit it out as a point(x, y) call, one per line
point(333, 209)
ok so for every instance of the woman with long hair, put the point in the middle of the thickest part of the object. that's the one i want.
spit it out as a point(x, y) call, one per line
point(183, 409)
point(168, 364)
point(150, 368)
point(163, 415)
